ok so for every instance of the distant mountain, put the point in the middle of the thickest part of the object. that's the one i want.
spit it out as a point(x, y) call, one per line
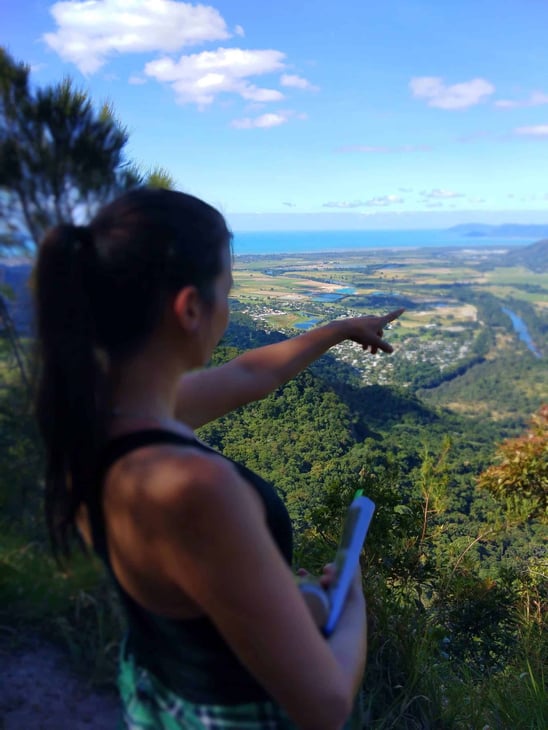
point(534, 257)
point(506, 230)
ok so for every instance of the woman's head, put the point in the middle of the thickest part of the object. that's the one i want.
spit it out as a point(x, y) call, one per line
point(102, 290)
point(141, 250)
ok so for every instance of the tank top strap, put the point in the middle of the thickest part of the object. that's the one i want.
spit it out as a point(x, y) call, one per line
point(115, 449)
point(119, 446)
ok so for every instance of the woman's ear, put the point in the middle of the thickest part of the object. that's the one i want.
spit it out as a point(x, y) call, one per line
point(188, 308)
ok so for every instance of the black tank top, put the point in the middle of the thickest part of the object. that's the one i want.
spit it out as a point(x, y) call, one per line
point(188, 656)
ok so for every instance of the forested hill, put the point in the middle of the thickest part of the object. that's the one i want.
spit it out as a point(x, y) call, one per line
point(323, 427)
point(534, 257)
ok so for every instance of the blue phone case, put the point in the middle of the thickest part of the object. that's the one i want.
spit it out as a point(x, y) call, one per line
point(355, 529)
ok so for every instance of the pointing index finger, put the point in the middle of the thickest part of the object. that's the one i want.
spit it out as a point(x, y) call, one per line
point(393, 315)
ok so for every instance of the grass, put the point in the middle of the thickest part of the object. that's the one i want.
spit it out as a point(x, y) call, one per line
point(411, 683)
point(74, 607)
point(516, 275)
point(510, 292)
point(284, 321)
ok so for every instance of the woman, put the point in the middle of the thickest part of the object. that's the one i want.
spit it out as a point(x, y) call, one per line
point(129, 309)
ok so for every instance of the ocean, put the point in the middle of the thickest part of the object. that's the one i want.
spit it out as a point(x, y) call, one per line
point(249, 243)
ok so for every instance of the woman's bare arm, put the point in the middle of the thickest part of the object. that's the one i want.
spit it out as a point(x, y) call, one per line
point(208, 394)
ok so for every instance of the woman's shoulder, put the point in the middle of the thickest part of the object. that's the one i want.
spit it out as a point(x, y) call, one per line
point(176, 480)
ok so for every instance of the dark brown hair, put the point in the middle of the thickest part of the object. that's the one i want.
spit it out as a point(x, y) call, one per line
point(99, 293)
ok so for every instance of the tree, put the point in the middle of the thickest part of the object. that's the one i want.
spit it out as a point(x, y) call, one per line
point(160, 178)
point(60, 159)
point(521, 477)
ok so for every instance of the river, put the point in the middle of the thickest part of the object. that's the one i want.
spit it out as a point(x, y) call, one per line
point(523, 333)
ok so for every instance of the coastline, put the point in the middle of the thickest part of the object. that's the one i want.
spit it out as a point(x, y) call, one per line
point(346, 242)
point(287, 243)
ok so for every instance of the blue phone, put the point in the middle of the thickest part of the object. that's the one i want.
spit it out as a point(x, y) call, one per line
point(347, 558)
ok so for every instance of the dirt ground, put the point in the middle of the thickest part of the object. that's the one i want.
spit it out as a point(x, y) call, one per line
point(38, 691)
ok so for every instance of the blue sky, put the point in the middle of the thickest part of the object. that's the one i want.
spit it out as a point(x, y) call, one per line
point(315, 113)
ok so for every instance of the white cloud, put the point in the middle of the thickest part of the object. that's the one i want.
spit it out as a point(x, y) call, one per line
point(344, 204)
point(379, 202)
point(262, 122)
point(536, 98)
point(457, 96)
point(289, 205)
point(89, 31)
point(540, 130)
point(200, 77)
point(296, 82)
point(384, 200)
point(438, 193)
point(382, 149)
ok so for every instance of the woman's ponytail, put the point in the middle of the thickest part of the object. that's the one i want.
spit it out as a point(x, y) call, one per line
point(70, 398)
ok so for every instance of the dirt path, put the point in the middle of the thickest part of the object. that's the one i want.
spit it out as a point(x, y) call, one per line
point(38, 691)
